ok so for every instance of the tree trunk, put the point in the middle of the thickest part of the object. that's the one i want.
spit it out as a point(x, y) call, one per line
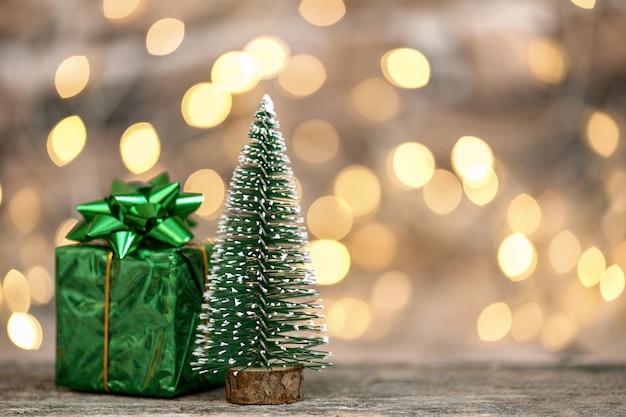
point(264, 386)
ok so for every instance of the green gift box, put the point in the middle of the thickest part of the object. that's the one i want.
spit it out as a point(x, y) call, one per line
point(127, 310)
point(154, 302)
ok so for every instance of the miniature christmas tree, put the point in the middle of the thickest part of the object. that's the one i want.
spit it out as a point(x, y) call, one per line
point(261, 312)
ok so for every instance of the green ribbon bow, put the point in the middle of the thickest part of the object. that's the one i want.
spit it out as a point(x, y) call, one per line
point(137, 211)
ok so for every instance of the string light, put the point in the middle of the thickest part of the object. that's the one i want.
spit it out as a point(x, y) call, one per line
point(524, 214)
point(602, 133)
point(165, 36)
point(301, 76)
point(331, 261)
point(204, 105)
point(208, 183)
point(546, 60)
point(16, 291)
point(235, 72)
point(373, 246)
point(517, 257)
point(612, 283)
point(406, 68)
point(25, 210)
point(557, 332)
point(270, 54)
point(585, 4)
point(66, 140)
point(412, 164)
point(359, 187)
point(322, 12)
point(494, 322)
point(591, 266)
point(140, 147)
point(442, 194)
point(119, 9)
point(25, 331)
point(329, 217)
point(72, 76)
point(348, 318)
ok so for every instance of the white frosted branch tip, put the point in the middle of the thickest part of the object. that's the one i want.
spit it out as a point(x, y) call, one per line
point(267, 101)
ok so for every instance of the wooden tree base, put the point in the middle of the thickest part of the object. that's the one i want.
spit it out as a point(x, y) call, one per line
point(264, 386)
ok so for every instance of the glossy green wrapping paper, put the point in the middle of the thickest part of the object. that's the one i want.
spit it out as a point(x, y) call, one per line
point(155, 298)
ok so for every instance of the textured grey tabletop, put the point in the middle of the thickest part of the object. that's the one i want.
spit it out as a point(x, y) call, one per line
point(353, 390)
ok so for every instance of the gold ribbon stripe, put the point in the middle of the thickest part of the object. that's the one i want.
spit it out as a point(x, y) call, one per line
point(107, 292)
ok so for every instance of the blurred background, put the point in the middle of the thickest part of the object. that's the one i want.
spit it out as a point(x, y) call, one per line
point(460, 162)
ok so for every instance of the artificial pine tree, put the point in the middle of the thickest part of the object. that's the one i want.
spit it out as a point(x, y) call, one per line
point(260, 311)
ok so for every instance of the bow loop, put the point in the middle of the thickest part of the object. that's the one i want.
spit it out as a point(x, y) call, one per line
point(135, 211)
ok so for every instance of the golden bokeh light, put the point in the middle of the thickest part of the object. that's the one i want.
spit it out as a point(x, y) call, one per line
point(373, 246)
point(564, 252)
point(392, 291)
point(375, 100)
point(358, 186)
point(412, 164)
point(16, 292)
point(315, 141)
point(483, 192)
point(270, 54)
point(66, 140)
point(472, 159)
point(558, 331)
point(612, 283)
point(0, 294)
point(348, 318)
point(322, 12)
point(204, 105)
point(517, 257)
point(585, 4)
point(494, 322)
point(25, 210)
point(524, 214)
point(443, 193)
point(329, 217)
point(331, 261)
point(406, 68)
point(62, 231)
point(210, 184)
point(602, 133)
point(119, 9)
point(25, 331)
point(546, 60)
point(591, 266)
point(165, 36)
point(40, 284)
point(140, 147)
point(301, 76)
point(527, 322)
point(235, 72)
point(72, 76)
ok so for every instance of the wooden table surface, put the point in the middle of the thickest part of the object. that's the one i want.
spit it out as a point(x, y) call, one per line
point(484, 389)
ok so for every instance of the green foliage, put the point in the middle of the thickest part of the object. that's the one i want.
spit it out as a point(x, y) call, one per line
point(260, 309)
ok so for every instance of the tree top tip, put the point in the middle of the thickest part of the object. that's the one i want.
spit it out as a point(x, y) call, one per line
point(267, 103)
